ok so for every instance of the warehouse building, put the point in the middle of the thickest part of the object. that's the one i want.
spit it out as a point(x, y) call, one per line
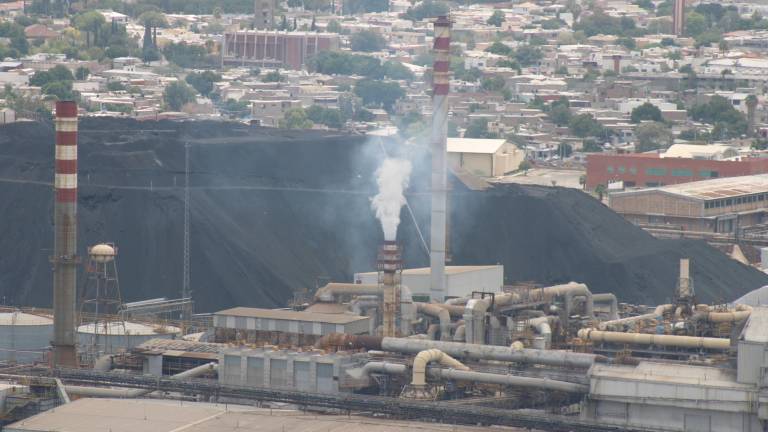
point(716, 206)
point(654, 170)
point(460, 281)
point(252, 325)
point(484, 157)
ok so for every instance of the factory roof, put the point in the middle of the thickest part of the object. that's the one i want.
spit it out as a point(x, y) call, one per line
point(728, 187)
point(290, 315)
point(175, 346)
point(24, 319)
point(125, 415)
point(449, 270)
point(652, 371)
point(115, 328)
point(474, 145)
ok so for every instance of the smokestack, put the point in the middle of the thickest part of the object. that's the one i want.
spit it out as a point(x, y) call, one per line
point(440, 88)
point(390, 266)
point(617, 64)
point(65, 258)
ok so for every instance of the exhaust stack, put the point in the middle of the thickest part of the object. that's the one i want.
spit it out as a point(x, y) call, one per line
point(65, 257)
point(440, 87)
point(390, 266)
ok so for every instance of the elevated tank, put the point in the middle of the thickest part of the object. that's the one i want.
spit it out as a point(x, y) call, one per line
point(115, 336)
point(24, 338)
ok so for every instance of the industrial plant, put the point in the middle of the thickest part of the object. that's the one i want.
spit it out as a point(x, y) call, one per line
point(444, 347)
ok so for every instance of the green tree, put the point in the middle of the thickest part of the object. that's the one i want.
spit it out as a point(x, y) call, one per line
point(333, 26)
point(61, 89)
point(592, 146)
point(327, 116)
point(528, 55)
point(493, 84)
point(524, 166)
point(235, 109)
point(273, 76)
point(367, 41)
point(353, 7)
point(499, 48)
point(728, 122)
point(426, 9)
point(90, 22)
point(627, 42)
point(187, 56)
point(695, 24)
point(395, 70)
point(56, 73)
point(295, 118)
point(560, 115)
point(496, 18)
point(115, 86)
point(652, 136)
point(379, 93)
point(478, 128)
point(340, 63)
point(203, 81)
point(178, 94)
point(82, 73)
point(584, 125)
point(646, 111)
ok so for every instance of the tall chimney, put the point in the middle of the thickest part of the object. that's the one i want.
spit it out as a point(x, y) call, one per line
point(440, 88)
point(65, 258)
point(390, 266)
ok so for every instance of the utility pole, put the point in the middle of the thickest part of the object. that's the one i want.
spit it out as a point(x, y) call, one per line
point(185, 289)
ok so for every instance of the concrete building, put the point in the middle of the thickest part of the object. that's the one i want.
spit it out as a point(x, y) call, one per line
point(460, 280)
point(275, 49)
point(264, 14)
point(484, 157)
point(717, 206)
point(269, 112)
point(654, 170)
point(253, 324)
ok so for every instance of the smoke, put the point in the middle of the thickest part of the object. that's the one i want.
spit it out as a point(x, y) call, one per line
point(392, 177)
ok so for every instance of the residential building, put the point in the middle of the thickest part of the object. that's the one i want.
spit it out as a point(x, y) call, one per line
point(484, 157)
point(275, 49)
point(264, 14)
point(723, 205)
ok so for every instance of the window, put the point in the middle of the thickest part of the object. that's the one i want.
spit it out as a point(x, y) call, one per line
point(761, 197)
point(682, 173)
point(633, 170)
point(610, 169)
point(728, 202)
point(658, 172)
point(652, 184)
point(707, 173)
point(622, 170)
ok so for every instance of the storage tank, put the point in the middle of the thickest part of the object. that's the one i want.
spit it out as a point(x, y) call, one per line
point(115, 336)
point(24, 338)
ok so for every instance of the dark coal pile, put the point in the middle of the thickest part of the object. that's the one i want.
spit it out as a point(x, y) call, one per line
point(274, 211)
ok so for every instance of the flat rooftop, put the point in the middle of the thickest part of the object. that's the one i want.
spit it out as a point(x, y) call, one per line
point(290, 315)
point(133, 415)
point(728, 187)
point(449, 270)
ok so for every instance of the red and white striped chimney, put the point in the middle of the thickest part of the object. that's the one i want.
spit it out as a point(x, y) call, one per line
point(65, 258)
point(440, 88)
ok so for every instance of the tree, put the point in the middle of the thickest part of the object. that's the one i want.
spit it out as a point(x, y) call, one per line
point(353, 7)
point(273, 76)
point(728, 122)
point(591, 146)
point(751, 102)
point(695, 24)
point(367, 41)
point(493, 84)
point(584, 125)
point(380, 93)
point(426, 9)
point(115, 86)
point(652, 136)
point(478, 128)
point(395, 70)
point(646, 111)
point(327, 116)
point(203, 81)
point(56, 73)
point(496, 18)
point(564, 150)
point(61, 89)
point(178, 94)
point(524, 166)
point(90, 22)
point(527, 55)
point(187, 56)
point(234, 108)
point(340, 63)
point(295, 118)
point(560, 115)
point(499, 48)
point(333, 26)
point(151, 20)
point(627, 42)
point(82, 73)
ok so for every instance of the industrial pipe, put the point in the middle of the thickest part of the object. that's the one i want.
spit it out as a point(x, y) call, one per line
point(479, 377)
point(423, 358)
point(329, 292)
point(568, 291)
point(460, 350)
point(608, 298)
point(654, 339)
point(658, 312)
point(460, 334)
point(454, 310)
point(432, 331)
point(740, 313)
point(441, 314)
point(125, 393)
point(543, 327)
point(475, 311)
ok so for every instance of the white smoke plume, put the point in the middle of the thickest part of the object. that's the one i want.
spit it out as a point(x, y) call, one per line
point(392, 177)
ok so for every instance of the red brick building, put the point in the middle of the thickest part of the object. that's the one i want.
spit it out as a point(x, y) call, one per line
point(651, 170)
point(275, 49)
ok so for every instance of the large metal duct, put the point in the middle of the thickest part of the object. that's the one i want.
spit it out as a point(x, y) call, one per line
point(568, 292)
point(740, 313)
point(64, 257)
point(441, 314)
point(331, 291)
point(612, 300)
point(654, 339)
point(543, 327)
point(440, 88)
point(479, 377)
point(423, 358)
point(658, 312)
point(460, 350)
point(475, 312)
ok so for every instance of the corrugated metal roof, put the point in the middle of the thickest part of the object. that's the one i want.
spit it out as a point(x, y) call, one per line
point(756, 329)
point(474, 145)
point(728, 187)
point(290, 315)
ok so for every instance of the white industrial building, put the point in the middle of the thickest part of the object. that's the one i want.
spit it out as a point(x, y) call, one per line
point(484, 157)
point(288, 321)
point(460, 281)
